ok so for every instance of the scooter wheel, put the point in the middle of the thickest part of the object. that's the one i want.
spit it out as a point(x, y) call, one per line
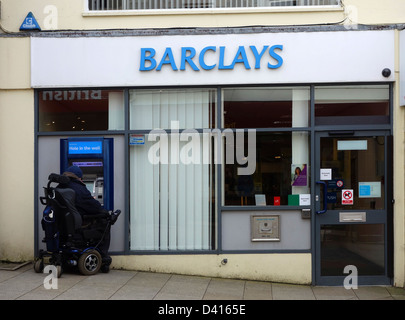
point(89, 262)
point(38, 266)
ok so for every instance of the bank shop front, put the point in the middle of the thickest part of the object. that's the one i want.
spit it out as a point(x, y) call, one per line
point(260, 155)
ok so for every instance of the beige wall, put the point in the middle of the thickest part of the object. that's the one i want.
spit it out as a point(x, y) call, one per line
point(17, 175)
point(399, 178)
point(263, 267)
point(17, 151)
point(15, 63)
point(70, 14)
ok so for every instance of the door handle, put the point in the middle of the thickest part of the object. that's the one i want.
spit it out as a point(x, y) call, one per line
point(325, 189)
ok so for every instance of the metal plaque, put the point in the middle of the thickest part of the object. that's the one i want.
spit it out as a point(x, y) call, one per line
point(265, 227)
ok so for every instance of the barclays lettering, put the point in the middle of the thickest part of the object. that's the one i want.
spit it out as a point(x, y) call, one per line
point(190, 58)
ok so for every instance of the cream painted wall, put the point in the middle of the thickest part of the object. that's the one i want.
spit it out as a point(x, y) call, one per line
point(17, 151)
point(399, 178)
point(71, 15)
point(17, 174)
point(263, 267)
point(15, 63)
point(378, 12)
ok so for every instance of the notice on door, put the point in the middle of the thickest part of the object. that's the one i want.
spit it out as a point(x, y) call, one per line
point(326, 174)
point(347, 196)
point(370, 189)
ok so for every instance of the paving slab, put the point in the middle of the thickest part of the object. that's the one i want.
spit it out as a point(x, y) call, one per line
point(373, 293)
point(334, 293)
point(256, 290)
point(97, 287)
point(397, 293)
point(180, 287)
point(142, 286)
point(225, 289)
point(292, 292)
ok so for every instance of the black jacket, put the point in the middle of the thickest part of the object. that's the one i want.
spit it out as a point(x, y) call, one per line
point(85, 203)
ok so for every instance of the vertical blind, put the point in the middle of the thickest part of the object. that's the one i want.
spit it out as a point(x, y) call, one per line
point(170, 202)
point(153, 109)
point(197, 4)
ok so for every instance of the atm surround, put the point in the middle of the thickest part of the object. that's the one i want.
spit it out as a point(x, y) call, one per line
point(95, 157)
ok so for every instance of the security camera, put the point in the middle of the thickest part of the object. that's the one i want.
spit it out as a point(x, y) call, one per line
point(386, 72)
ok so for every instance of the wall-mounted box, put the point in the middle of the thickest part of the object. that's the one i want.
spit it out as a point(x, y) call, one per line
point(265, 227)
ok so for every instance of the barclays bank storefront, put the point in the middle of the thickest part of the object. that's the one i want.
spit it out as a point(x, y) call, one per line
point(244, 153)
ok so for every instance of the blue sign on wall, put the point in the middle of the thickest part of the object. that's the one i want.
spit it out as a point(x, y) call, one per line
point(30, 23)
point(85, 147)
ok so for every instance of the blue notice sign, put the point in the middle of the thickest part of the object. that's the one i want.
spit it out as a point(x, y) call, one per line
point(136, 139)
point(85, 147)
point(30, 23)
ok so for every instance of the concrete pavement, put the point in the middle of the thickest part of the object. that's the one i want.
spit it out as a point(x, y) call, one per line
point(24, 284)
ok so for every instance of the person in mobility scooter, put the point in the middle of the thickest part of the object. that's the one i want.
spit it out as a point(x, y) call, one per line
point(77, 228)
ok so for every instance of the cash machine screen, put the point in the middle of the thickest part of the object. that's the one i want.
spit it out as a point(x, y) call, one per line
point(85, 147)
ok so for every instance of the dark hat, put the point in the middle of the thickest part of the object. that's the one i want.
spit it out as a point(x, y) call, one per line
point(75, 170)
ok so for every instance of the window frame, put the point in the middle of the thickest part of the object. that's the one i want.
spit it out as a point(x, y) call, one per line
point(218, 170)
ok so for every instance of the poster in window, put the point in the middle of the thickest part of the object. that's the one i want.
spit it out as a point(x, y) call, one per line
point(299, 175)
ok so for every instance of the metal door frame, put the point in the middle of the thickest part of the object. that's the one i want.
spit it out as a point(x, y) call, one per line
point(321, 218)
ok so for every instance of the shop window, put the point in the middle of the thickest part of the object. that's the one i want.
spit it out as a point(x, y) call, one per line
point(367, 104)
point(281, 175)
point(172, 109)
point(266, 107)
point(171, 199)
point(171, 171)
point(81, 110)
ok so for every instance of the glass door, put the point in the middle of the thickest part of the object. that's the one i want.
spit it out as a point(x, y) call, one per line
point(352, 207)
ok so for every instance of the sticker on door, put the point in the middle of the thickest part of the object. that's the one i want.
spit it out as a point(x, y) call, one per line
point(347, 196)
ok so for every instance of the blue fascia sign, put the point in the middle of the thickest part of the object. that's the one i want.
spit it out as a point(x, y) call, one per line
point(30, 23)
point(190, 58)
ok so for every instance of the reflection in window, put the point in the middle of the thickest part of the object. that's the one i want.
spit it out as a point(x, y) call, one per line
point(266, 107)
point(359, 245)
point(172, 109)
point(281, 175)
point(359, 163)
point(81, 110)
point(352, 104)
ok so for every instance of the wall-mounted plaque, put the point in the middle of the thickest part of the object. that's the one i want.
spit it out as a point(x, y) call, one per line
point(265, 227)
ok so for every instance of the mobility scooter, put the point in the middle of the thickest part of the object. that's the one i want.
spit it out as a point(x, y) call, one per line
point(72, 240)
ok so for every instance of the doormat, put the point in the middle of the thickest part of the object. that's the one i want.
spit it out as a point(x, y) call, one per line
point(11, 266)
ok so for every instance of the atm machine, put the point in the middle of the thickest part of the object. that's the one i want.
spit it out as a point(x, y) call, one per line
point(95, 157)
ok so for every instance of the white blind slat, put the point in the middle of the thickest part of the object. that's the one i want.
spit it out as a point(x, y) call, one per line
point(200, 4)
